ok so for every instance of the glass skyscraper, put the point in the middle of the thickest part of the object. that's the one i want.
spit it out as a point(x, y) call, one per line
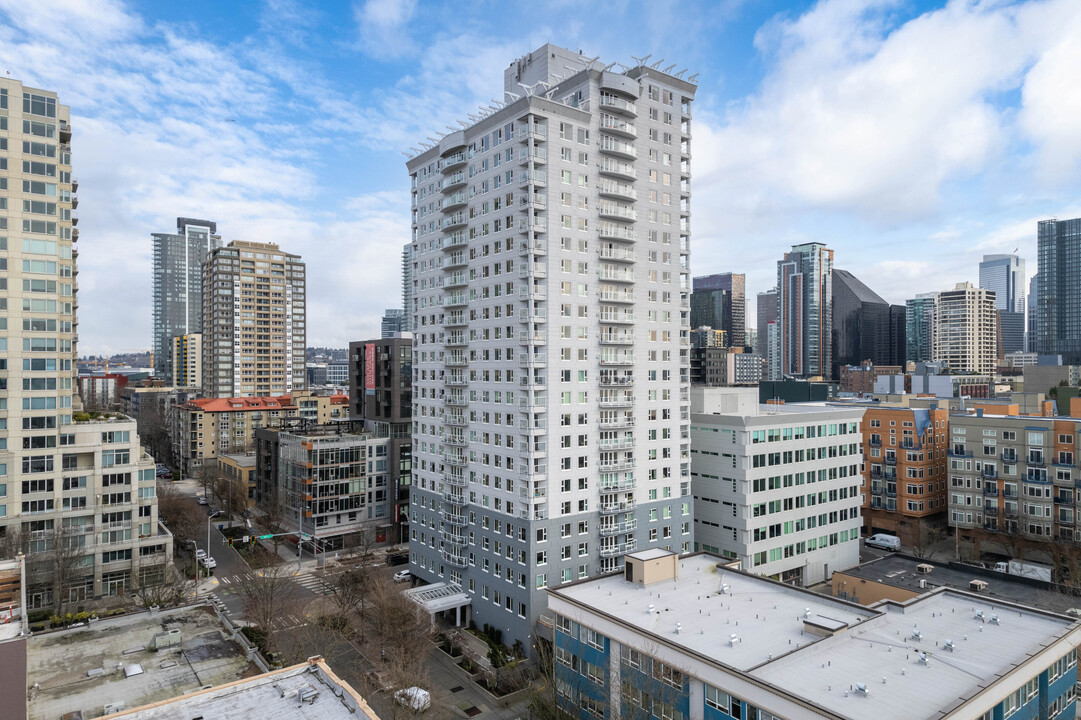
point(1058, 305)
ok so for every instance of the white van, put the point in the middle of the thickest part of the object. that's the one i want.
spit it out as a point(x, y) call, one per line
point(886, 542)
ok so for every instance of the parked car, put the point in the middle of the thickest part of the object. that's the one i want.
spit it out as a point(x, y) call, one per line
point(202, 500)
point(200, 553)
point(397, 559)
point(884, 541)
point(214, 513)
point(208, 562)
point(402, 576)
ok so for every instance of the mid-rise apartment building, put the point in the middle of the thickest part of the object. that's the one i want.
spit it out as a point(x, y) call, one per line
point(1016, 477)
point(66, 480)
point(187, 362)
point(551, 286)
point(904, 471)
point(965, 336)
point(690, 638)
point(178, 286)
point(332, 482)
point(202, 429)
point(254, 315)
point(805, 311)
point(776, 487)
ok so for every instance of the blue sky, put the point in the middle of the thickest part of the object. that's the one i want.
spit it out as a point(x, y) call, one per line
point(912, 137)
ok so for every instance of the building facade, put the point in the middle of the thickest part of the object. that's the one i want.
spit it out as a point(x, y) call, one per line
point(407, 287)
point(766, 313)
point(383, 400)
point(778, 489)
point(393, 323)
point(1058, 301)
point(695, 639)
point(254, 321)
point(67, 482)
point(202, 429)
point(187, 360)
point(805, 311)
point(1032, 302)
point(720, 302)
point(240, 468)
point(904, 472)
point(860, 379)
point(966, 330)
point(721, 366)
point(332, 482)
point(178, 286)
point(1015, 477)
point(920, 328)
point(551, 321)
point(865, 327)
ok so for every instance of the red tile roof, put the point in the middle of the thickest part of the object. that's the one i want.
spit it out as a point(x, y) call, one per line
point(240, 404)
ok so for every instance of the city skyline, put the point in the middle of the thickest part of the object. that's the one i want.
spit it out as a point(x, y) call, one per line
point(941, 176)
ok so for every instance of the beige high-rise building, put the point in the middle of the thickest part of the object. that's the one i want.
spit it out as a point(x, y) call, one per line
point(77, 494)
point(966, 330)
point(253, 321)
point(187, 365)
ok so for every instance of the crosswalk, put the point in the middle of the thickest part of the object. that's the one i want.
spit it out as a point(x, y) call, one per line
point(313, 583)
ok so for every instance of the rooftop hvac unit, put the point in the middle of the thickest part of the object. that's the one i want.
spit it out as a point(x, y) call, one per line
point(924, 568)
point(977, 585)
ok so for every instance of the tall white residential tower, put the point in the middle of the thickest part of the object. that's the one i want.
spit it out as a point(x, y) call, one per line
point(551, 285)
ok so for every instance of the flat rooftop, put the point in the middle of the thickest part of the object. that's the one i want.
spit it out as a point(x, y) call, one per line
point(883, 653)
point(900, 571)
point(301, 692)
point(59, 662)
point(816, 648)
point(712, 603)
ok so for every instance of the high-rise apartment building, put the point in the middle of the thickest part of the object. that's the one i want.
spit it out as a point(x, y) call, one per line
point(187, 360)
point(1058, 302)
point(551, 320)
point(1033, 313)
point(865, 327)
point(920, 328)
point(720, 302)
point(805, 311)
point(1005, 276)
point(254, 321)
point(766, 311)
point(178, 286)
point(965, 336)
point(392, 324)
point(76, 495)
point(407, 287)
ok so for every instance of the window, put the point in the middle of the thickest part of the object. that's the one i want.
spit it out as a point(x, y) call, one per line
point(717, 698)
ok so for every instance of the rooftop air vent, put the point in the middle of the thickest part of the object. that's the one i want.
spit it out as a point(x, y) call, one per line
point(862, 688)
point(994, 619)
point(948, 645)
point(923, 659)
point(924, 568)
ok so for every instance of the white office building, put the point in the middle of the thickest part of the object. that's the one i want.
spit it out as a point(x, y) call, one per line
point(776, 486)
point(551, 323)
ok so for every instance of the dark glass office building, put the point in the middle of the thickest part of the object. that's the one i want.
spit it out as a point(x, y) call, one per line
point(1058, 305)
point(720, 302)
point(865, 327)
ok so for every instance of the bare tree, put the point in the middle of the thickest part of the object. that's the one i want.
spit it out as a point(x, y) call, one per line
point(404, 631)
point(544, 702)
point(56, 559)
point(273, 513)
point(169, 590)
point(231, 491)
point(349, 590)
point(153, 427)
point(268, 595)
point(184, 518)
point(926, 538)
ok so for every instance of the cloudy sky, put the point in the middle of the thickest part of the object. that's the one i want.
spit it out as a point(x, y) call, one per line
point(912, 137)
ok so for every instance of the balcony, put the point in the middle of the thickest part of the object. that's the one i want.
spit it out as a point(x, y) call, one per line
point(616, 360)
point(536, 247)
point(1008, 457)
point(539, 156)
point(619, 318)
point(456, 500)
point(616, 423)
point(617, 254)
point(453, 181)
point(535, 292)
point(616, 507)
point(616, 338)
point(608, 380)
point(455, 559)
point(532, 360)
point(619, 548)
point(537, 133)
point(613, 274)
point(457, 299)
point(534, 339)
point(618, 104)
point(625, 443)
point(456, 420)
point(615, 168)
point(538, 315)
point(615, 296)
point(624, 484)
point(454, 201)
point(537, 179)
point(452, 161)
point(456, 240)
point(890, 460)
point(611, 231)
point(455, 359)
point(610, 124)
point(456, 220)
point(533, 201)
point(537, 225)
point(990, 490)
point(532, 271)
point(875, 442)
point(621, 191)
point(611, 146)
point(989, 474)
point(619, 465)
point(455, 519)
point(456, 280)
point(456, 440)
point(626, 526)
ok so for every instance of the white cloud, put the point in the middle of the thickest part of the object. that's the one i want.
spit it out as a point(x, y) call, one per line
point(384, 27)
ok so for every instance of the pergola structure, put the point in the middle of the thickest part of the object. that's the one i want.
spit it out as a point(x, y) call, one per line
point(441, 597)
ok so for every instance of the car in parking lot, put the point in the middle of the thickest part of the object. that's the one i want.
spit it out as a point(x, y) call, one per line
point(200, 553)
point(402, 576)
point(208, 562)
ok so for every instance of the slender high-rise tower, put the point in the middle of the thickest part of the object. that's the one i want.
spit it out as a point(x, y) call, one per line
point(178, 286)
point(1005, 276)
point(1058, 305)
point(805, 311)
point(551, 335)
point(77, 495)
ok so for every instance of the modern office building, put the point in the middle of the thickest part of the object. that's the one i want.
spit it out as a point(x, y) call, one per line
point(407, 287)
point(920, 328)
point(1032, 301)
point(1005, 276)
point(393, 323)
point(551, 350)
point(331, 481)
point(1058, 301)
point(766, 313)
point(187, 360)
point(381, 395)
point(67, 482)
point(965, 335)
point(691, 638)
point(904, 472)
point(805, 311)
point(720, 302)
point(776, 487)
point(254, 321)
point(1014, 477)
point(178, 286)
point(865, 327)
point(707, 337)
